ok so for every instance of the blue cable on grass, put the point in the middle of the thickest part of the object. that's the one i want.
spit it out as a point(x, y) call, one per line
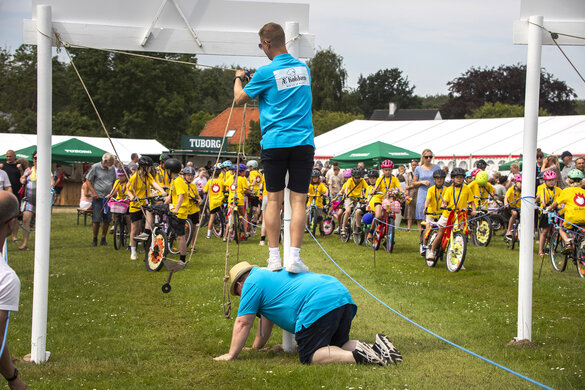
point(8, 318)
point(425, 329)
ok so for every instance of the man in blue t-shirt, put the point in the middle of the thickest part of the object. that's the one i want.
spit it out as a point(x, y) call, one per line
point(283, 89)
point(317, 308)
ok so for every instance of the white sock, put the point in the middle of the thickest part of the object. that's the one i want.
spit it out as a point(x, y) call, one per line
point(274, 253)
point(295, 253)
point(132, 250)
point(208, 232)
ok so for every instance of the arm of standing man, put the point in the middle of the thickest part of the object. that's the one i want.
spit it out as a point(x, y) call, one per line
point(240, 96)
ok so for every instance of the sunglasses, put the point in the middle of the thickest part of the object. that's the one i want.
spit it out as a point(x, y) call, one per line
point(260, 44)
point(428, 156)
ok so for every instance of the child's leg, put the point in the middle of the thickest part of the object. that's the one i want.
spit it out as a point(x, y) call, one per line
point(437, 240)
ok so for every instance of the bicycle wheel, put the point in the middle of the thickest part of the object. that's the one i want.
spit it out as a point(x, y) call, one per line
point(378, 235)
point(234, 228)
point(456, 252)
point(432, 237)
point(367, 241)
point(358, 238)
point(580, 250)
point(558, 260)
point(218, 225)
point(173, 242)
point(312, 222)
point(390, 239)
point(328, 226)
point(117, 238)
point(157, 250)
point(482, 233)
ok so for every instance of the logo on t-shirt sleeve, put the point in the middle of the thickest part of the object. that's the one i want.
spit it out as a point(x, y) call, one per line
point(291, 77)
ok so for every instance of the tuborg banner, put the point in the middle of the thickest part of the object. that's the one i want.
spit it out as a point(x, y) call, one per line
point(208, 144)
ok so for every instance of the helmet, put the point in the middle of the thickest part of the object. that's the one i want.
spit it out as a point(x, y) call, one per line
point(518, 178)
point(145, 161)
point(549, 175)
point(481, 164)
point(188, 171)
point(575, 174)
point(240, 167)
point(253, 164)
point(357, 173)
point(374, 173)
point(316, 173)
point(387, 164)
point(347, 173)
point(482, 178)
point(226, 164)
point(457, 172)
point(439, 173)
point(125, 171)
point(173, 165)
point(164, 158)
point(475, 172)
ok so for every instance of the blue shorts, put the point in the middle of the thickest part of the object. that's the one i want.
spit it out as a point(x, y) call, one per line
point(331, 329)
point(98, 215)
point(297, 161)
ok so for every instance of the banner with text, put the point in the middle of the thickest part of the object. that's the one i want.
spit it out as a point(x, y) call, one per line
point(207, 144)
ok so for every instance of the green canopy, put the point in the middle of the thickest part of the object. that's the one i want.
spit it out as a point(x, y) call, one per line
point(74, 150)
point(506, 166)
point(23, 153)
point(374, 154)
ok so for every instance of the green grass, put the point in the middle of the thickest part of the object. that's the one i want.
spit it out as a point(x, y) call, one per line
point(111, 327)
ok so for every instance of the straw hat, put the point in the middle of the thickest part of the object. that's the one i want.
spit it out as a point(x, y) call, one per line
point(236, 273)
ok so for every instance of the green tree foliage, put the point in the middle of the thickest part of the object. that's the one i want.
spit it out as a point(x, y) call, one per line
point(253, 141)
point(500, 110)
point(433, 101)
point(386, 85)
point(328, 78)
point(198, 121)
point(580, 107)
point(505, 84)
point(324, 120)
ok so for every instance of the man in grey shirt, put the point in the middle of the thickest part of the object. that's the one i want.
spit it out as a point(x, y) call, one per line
point(567, 159)
point(100, 180)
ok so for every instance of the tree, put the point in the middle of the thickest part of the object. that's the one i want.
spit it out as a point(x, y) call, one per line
point(500, 110)
point(253, 141)
point(327, 80)
point(323, 120)
point(198, 121)
point(433, 101)
point(387, 85)
point(505, 84)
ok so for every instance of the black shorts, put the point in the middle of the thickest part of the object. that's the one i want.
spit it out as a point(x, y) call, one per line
point(194, 218)
point(177, 225)
point(543, 221)
point(136, 216)
point(297, 161)
point(254, 201)
point(331, 329)
point(57, 189)
point(215, 210)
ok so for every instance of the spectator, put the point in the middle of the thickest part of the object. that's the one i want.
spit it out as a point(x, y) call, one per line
point(567, 159)
point(9, 288)
point(85, 199)
point(423, 179)
point(100, 180)
point(59, 177)
point(514, 171)
point(551, 162)
point(317, 308)
point(580, 164)
point(334, 179)
point(201, 180)
point(14, 170)
point(401, 176)
point(133, 164)
point(5, 182)
point(411, 191)
point(500, 188)
point(448, 177)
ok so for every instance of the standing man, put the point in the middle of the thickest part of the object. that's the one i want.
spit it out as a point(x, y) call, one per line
point(567, 159)
point(14, 173)
point(100, 180)
point(283, 89)
point(133, 164)
point(9, 288)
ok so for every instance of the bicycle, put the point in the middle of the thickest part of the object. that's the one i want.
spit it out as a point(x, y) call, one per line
point(346, 233)
point(358, 238)
point(513, 238)
point(119, 208)
point(384, 229)
point(156, 245)
point(425, 235)
point(454, 242)
point(314, 221)
point(481, 229)
point(559, 260)
point(329, 210)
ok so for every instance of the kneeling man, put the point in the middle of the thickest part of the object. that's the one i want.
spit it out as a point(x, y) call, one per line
point(317, 308)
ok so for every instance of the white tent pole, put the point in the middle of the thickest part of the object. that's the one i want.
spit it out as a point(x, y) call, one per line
point(529, 178)
point(291, 31)
point(43, 201)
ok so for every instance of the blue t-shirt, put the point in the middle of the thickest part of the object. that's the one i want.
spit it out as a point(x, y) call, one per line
point(292, 301)
point(284, 96)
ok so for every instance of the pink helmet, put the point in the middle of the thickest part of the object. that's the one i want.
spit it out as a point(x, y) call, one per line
point(518, 178)
point(387, 164)
point(475, 172)
point(549, 175)
point(347, 173)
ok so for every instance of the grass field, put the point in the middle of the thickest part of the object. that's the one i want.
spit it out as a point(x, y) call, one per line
point(111, 327)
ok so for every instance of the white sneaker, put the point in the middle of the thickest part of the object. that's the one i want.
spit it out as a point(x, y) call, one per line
point(262, 243)
point(297, 267)
point(430, 254)
point(142, 237)
point(133, 256)
point(274, 264)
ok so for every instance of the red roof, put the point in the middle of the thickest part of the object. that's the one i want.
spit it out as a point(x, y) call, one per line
point(217, 126)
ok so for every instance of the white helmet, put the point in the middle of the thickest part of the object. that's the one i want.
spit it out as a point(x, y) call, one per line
point(253, 164)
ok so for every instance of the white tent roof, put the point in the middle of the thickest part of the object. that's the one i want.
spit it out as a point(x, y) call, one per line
point(124, 146)
point(481, 138)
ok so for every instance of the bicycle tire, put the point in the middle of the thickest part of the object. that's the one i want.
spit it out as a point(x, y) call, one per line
point(455, 255)
point(580, 250)
point(328, 226)
point(312, 221)
point(234, 228)
point(378, 235)
point(482, 233)
point(558, 260)
point(157, 250)
point(390, 239)
point(432, 237)
point(514, 238)
point(117, 228)
point(173, 243)
point(358, 238)
point(218, 225)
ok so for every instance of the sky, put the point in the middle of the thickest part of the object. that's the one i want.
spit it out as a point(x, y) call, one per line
point(432, 42)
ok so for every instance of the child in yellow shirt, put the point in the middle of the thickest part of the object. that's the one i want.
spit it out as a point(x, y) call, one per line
point(546, 194)
point(512, 201)
point(179, 204)
point(316, 192)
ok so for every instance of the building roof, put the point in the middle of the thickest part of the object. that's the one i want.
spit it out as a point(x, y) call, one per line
point(217, 126)
point(406, 115)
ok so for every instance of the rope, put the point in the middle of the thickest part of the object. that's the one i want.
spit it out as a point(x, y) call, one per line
point(423, 328)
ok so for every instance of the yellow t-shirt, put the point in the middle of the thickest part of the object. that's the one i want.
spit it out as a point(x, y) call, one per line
point(435, 196)
point(214, 190)
point(120, 189)
point(547, 196)
point(513, 195)
point(481, 194)
point(255, 181)
point(139, 186)
point(316, 191)
point(242, 187)
point(383, 185)
point(226, 176)
point(457, 198)
point(179, 187)
point(193, 197)
point(574, 200)
point(162, 177)
point(355, 188)
point(264, 190)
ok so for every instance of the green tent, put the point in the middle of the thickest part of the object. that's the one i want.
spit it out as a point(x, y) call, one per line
point(506, 166)
point(374, 154)
point(74, 150)
point(22, 153)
